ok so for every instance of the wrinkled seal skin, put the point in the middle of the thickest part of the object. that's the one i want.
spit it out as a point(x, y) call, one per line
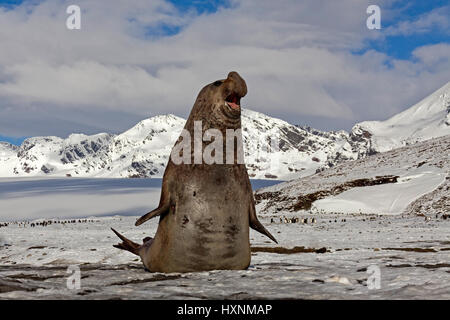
point(205, 209)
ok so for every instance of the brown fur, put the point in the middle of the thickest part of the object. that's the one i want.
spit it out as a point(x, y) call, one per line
point(205, 209)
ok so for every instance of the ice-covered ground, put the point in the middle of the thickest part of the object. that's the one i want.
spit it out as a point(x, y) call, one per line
point(37, 197)
point(325, 259)
point(33, 198)
point(411, 180)
point(413, 256)
point(391, 198)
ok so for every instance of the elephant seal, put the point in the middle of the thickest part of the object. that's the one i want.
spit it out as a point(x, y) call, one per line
point(205, 209)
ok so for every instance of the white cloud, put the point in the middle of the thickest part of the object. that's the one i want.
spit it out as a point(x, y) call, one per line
point(295, 57)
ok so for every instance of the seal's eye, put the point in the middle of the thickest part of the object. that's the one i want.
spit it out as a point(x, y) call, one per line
point(217, 83)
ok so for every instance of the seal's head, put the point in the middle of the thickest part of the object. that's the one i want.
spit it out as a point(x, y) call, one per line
point(220, 101)
point(231, 90)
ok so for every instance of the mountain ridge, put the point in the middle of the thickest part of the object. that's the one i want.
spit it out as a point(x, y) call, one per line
point(427, 119)
point(144, 149)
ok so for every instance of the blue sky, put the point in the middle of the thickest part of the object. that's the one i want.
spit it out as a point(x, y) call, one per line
point(12, 140)
point(202, 6)
point(409, 45)
point(399, 47)
point(402, 46)
point(10, 2)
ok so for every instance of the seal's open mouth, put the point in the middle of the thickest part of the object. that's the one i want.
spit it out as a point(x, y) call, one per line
point(233, 101)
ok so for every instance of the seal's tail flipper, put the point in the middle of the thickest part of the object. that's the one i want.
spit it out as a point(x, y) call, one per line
point(256, 225)
point(158, 211)
point(127, 244)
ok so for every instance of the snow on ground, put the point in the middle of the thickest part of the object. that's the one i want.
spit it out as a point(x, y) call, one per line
point(412, 254)
point(392, 198)
point(422, 185)
point(323, 256)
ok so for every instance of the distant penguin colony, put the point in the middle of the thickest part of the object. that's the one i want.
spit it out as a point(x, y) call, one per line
point(286, 220)
point(24, 224)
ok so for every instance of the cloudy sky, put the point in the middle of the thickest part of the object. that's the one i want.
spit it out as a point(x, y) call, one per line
point(308, 62)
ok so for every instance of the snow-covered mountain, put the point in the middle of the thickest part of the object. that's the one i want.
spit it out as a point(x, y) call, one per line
point(143, 150)
point(430, 118)
point(412, 179)
point(274, 149)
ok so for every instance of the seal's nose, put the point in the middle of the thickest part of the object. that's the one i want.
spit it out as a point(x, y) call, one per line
point(240, 87)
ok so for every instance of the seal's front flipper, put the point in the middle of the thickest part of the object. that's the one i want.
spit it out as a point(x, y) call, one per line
point(256, 225)
point(127, 244)
point(157, 212)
